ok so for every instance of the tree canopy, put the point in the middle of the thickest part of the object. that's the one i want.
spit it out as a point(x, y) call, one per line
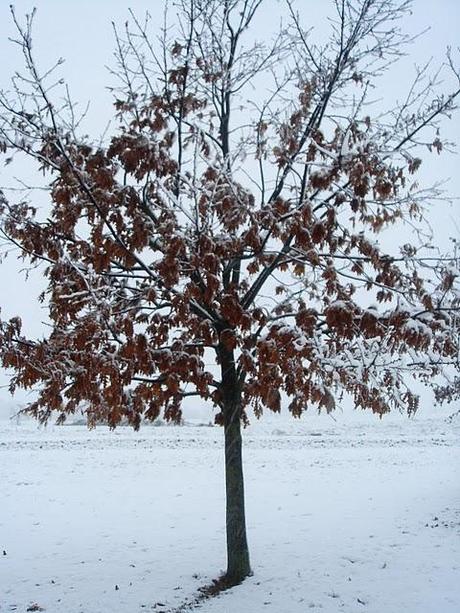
point(224, 237)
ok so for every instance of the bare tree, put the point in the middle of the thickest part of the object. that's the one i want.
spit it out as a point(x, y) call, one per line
point(231, 219)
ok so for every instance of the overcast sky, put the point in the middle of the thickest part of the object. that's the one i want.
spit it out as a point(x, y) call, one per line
point(81, 32)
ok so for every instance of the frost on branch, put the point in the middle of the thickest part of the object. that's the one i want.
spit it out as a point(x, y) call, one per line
point(238, 257)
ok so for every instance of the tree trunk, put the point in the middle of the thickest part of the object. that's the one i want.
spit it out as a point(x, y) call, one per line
point(237, 547)
point(238, 566)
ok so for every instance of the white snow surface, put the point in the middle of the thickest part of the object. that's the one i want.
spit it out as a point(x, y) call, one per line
point(353, 515)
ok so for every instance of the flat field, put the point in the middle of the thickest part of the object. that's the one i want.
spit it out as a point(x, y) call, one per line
point(353, 515)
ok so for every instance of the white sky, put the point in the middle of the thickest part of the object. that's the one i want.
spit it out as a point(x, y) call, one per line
point(81, 32)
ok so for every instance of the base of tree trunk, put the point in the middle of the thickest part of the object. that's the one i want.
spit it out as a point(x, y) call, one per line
point(205, 592)
point(235, 578)
point(229, 581)
point(224, 582)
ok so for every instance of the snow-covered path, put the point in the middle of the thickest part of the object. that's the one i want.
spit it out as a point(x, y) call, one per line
point(362, 516)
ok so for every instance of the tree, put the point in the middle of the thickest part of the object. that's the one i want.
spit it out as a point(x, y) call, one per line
point(201, 231)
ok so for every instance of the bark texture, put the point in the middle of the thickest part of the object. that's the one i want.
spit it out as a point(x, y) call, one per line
point(238, 565)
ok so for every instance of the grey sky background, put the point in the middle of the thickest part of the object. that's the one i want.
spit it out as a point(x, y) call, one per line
point(81, 32)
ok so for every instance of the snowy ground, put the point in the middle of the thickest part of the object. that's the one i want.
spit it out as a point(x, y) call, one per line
point(357, 515)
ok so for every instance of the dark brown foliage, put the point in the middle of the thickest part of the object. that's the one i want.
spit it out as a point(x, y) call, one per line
point(159, 252)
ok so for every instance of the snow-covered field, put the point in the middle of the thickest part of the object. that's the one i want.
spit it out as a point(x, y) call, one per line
point(349, 515)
